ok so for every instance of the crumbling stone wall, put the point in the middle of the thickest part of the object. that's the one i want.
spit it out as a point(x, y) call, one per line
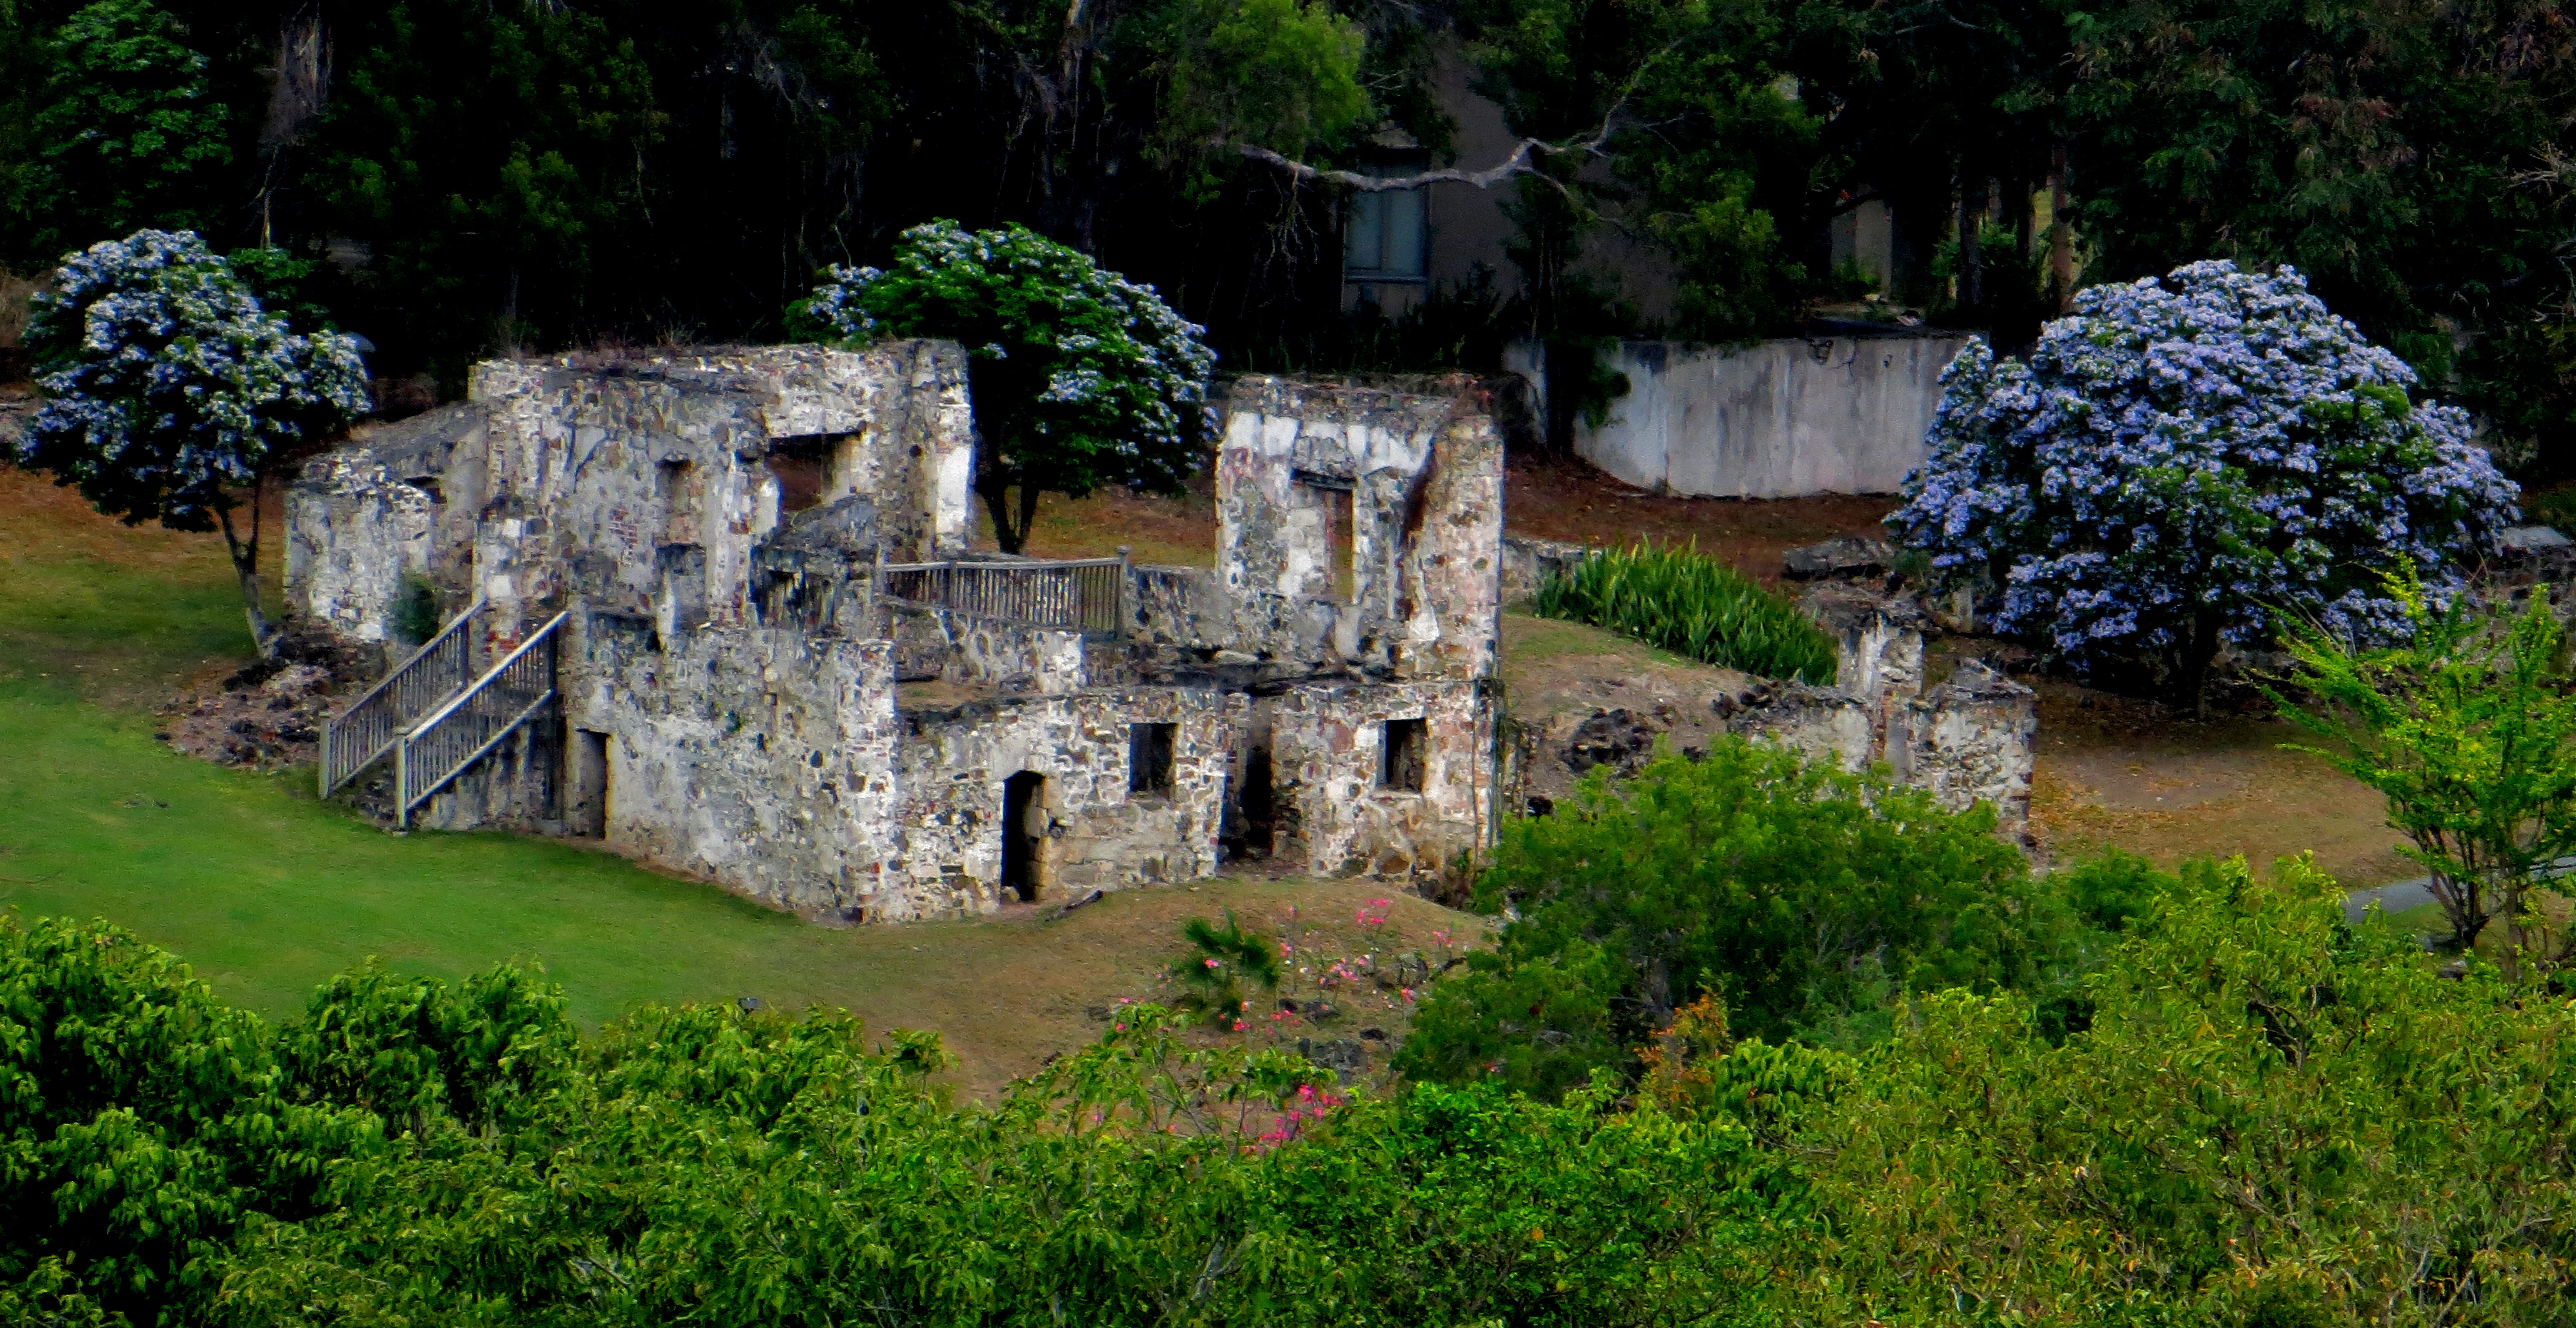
point(361, 521)
point(954, 764)
point(1971, 740)
point(1529, 562)
point(1336, 816)
point(762, 759)
point(1423, 475)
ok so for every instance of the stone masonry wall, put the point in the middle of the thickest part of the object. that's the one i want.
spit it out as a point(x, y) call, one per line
point(763, 760)
point(360, 520)
point(1423, 476)
point(1327, 756)
point(953, 764)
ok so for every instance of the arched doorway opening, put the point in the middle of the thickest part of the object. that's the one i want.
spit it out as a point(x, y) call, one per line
point(1023, 810)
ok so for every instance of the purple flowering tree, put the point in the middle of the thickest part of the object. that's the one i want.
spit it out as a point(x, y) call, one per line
point(169, 393)
point(2181, 459)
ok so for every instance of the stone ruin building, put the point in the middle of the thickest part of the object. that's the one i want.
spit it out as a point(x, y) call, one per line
point(719, 609)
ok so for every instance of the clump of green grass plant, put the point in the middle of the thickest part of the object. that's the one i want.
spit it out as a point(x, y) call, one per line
point(1694, 606)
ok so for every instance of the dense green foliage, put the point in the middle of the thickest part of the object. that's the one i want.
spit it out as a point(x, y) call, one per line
point(125, 131)
point(411, 1152)
point(2468, 729)
point(2270, 1117)
point(485, 177)
point(1692, 605)
point(1800, 896)
point(1080, 377)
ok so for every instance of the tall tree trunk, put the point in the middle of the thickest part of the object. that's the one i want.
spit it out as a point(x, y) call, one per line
point(1972, 265)
point(2061, 233)
point(245, 555)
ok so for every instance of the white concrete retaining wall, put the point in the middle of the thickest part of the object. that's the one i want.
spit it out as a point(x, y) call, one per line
point(1776, 419)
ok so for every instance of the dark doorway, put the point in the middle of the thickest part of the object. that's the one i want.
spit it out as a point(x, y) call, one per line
point(589, 811)
point(1401, 768)
point(1260, 805)
point(1020, 805)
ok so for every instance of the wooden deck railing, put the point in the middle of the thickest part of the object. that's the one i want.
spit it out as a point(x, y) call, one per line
point(1086, 595)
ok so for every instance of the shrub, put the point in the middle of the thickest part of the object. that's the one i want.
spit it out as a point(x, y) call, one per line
point(1798, 894)
point(1080, 377)
point(2179, 461)
point(2275, 1119)
point(2469, 731)
point(1692, 605)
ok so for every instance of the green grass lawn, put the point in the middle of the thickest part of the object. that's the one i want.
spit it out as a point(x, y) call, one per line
point(268, 891)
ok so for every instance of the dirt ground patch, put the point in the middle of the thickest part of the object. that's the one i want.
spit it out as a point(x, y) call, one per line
point(1567, 501)
point(1578, 504)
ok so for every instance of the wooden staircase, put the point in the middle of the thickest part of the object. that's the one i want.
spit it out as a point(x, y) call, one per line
point(435, 717)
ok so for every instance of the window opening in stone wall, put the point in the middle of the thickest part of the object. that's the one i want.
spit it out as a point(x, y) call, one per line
point(589, 811)
point(1260, 804)
point(1340, 550)
point(1024, 816)
point(1149, 759)
point(801, 466)
point(676, 483)
point(1401, 755)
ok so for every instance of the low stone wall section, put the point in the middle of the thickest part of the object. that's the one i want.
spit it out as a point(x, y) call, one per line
point(953, 765)
point(1337, 818)
point(761, 759)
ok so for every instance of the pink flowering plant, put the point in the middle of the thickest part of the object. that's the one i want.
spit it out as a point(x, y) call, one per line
point(2181, 460)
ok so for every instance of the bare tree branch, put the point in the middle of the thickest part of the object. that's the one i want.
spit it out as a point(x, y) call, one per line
point(1521, 162)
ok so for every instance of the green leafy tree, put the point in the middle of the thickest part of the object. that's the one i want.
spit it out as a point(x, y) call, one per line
point(1080, 378)
point(2468, 729)
point(169, 391)
point(127, 133)
point(1796, 893)
point(2392, 150)
point(142, 1122)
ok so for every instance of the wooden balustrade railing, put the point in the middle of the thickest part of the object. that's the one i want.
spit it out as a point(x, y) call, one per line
point(1085, 595)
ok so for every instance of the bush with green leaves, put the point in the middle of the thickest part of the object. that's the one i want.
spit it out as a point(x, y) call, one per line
point(411, 1151)
point(1692, 605)
point(2274, 1118)
point(1802, 896)
point(2468, 729)
point(171, 395)
point(1080, 378)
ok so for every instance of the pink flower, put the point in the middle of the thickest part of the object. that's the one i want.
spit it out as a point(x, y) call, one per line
point(1239, 1025)
point(1212, 963)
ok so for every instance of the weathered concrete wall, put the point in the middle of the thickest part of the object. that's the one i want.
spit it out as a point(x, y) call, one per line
point(953, 765)
point(1326, 755)
point(1424, 478)
point(761, 759)
point(1773, 420)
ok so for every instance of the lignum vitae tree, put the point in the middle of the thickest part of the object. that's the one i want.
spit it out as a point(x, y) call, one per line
point(2468, 729)
point(171, 395)
point(1081, 379)
point(2183, 461)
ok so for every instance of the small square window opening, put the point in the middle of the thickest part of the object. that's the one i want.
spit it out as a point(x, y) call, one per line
point(1401, 768)
point(1149, 759)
